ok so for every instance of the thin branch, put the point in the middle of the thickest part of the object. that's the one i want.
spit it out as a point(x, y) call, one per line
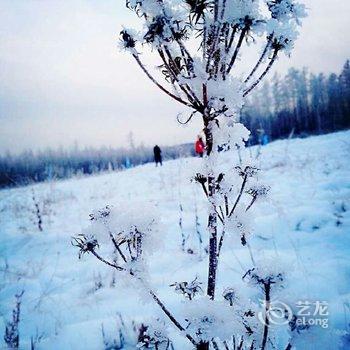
point(226, 30)
point(171, 317)
point(117, 246)
point(260, 59)
point(251, 203)
point(221, 241)
point(204, 189)
point(154, 296)
point(157, 84)
point(130, 251)
point(223, 9)
point(212, 228)
point(226, 345)
point(215, 32)
point(204, 42)
point(217, 61)
point(251, 253)
point(272, 61)
point(174, 74)
point(233, 34)
point(106, 262)
point(183, 48)
point(221, 211)
point(190, 94)
point(216, 10)
point(226, 205)
point(238, 47)
point(239, 195)
point(215, 345)
point(205, 95)
point(221, 218)
point(187, 120)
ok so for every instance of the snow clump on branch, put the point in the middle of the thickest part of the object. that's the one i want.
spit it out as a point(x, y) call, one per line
point(208, 319)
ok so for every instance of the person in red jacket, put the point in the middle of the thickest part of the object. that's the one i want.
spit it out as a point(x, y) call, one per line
point(199, 146)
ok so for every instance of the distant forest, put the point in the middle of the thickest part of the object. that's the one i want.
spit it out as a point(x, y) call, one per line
point(29, 167)
point(299, 104)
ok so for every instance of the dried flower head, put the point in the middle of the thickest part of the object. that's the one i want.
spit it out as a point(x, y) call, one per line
point(258, 191)
point(188, 289)
point(229, 294)
point(86, 244)
point(248, 171)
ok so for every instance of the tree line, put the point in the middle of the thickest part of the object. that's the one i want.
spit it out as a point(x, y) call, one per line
point(300, 103)
point(29, 167)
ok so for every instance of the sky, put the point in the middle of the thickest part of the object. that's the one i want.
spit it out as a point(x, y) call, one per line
point(63, 80)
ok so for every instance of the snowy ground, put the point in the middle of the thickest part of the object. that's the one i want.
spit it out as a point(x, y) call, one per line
point(305, 225)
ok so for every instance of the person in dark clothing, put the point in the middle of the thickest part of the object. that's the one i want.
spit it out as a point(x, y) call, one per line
point(157, 155)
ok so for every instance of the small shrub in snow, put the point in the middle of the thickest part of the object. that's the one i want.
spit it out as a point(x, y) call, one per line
point(40, 209)
point(153, 337)
point(37, 212)
point(136, 336)
point(11, 336)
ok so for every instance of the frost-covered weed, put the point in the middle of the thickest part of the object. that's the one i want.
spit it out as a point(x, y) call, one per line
point(131, 335)
point(206, 80)
point(188, 289)
point(11, 336)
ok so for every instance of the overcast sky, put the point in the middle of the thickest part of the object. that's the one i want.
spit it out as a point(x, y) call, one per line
point(62, 79)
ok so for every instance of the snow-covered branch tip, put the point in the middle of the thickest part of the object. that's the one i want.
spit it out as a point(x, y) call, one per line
point(222, 28)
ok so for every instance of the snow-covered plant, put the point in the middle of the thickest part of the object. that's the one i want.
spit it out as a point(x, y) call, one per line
point(37, 212)
point(188, 289)
point(40, 208)
point(183, 236)
point(11, 336)
point(134, 335)
point(154, 336)
point(200, 46)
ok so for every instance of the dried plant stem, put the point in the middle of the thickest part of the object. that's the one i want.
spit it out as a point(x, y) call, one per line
point(238, 47)
point(177, 98)
point(107, 262)
point(152, 293)
point(171, 317)
point(260, 60)
point(272, 61)
point(245, 179)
